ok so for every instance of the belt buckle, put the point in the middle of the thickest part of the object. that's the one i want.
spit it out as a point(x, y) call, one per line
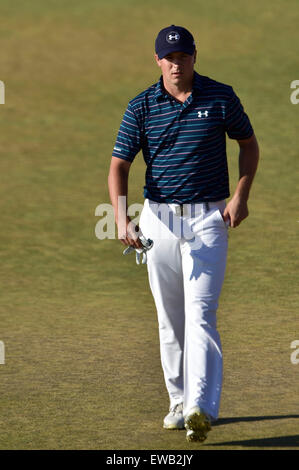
point(181, 210)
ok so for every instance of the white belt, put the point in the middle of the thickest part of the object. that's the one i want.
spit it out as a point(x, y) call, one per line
point(182, 210)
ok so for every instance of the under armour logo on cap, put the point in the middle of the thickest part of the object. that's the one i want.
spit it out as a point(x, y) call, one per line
point(174, 39)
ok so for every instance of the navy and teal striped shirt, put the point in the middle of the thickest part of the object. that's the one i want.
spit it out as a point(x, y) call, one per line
point(183, 144)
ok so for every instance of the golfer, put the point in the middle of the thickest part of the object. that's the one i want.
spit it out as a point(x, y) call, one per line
point(180, 123)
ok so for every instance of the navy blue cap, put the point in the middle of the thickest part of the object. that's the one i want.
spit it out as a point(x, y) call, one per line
point(174, 39)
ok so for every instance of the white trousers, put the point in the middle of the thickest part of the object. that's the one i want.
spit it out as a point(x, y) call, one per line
point(186, 269)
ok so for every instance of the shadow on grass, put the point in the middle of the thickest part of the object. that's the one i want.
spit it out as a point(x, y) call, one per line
point(282, 441)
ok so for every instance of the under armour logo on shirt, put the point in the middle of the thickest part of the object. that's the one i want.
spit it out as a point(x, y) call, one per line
point(201, 114)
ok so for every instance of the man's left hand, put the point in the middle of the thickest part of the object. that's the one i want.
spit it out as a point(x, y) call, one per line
point(236, 211)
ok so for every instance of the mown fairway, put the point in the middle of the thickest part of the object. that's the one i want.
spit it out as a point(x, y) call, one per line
point(82, 367)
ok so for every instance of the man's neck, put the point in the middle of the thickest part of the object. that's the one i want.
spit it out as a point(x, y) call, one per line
point(180, 92)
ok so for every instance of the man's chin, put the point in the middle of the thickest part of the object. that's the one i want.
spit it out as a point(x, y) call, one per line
point(177, 79)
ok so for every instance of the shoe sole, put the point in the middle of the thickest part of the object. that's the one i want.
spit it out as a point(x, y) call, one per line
point(199, 424)
point(173, 427)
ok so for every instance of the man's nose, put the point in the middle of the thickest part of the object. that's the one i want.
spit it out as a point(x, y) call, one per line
point(177, 62)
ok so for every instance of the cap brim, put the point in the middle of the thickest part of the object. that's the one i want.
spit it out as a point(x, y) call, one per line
point(169, 50)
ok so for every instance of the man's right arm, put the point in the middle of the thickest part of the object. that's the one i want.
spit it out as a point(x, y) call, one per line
point(118, 191)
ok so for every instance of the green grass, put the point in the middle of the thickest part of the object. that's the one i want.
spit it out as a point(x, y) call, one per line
point(78, 321)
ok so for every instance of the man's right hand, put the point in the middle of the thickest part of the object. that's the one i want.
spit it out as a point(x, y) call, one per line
point(128, 233)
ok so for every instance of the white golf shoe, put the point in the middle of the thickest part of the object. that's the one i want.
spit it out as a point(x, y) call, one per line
point(175, 418)
point(197, 424)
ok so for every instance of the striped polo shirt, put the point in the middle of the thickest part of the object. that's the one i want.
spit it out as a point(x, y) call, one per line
point(183, 144)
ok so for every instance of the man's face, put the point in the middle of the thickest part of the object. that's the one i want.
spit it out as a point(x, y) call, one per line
point(177, 68)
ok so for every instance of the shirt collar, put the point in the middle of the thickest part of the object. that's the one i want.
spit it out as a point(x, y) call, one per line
point(160, 91)
point(197, 83)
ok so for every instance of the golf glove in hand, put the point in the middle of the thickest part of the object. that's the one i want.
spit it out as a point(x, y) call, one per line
point(147, 245)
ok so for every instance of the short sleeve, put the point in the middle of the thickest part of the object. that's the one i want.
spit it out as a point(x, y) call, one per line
point(237, 123)
point(128, 142)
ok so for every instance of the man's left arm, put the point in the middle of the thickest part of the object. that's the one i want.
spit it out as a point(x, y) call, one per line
point(237, 209)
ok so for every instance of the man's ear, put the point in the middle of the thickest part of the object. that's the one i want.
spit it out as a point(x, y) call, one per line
point(195, 55)
point(157, 60)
